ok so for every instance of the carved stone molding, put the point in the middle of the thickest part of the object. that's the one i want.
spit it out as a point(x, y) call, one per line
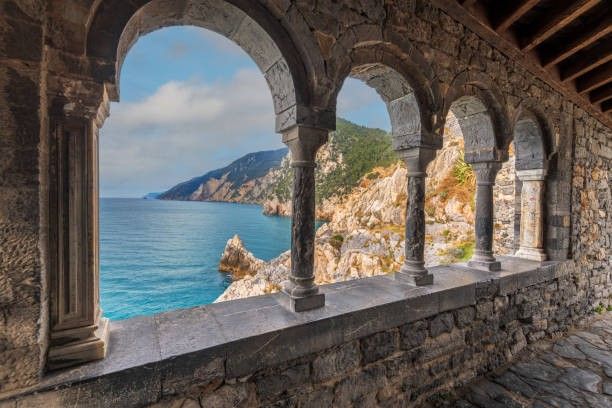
point(78, 332)
point(532, 215)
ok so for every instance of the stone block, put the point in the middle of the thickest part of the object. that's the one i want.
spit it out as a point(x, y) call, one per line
point(271, 384)
point(442, 323)
point(465, 316)
point(413, 334)
point(484, 310)
point(378, 346)
point(336, 362)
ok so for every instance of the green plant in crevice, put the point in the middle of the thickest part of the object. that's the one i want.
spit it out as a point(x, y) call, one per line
point(463, 172)
point(336, 241)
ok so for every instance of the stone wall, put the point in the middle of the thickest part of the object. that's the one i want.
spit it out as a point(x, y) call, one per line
point(22, 203)
point(592, 203)
point(406, 364)
point(413, 37)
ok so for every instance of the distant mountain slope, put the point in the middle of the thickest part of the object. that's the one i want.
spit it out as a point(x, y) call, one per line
point(224, 184)
point(266, 177)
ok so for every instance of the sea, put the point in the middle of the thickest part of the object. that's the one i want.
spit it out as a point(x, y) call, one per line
point(159, 255)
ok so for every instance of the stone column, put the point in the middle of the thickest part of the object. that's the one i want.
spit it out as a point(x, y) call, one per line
point(483, 252)
point(78, 332)
point(413, 271)
point(532, 215)
point(301, 292)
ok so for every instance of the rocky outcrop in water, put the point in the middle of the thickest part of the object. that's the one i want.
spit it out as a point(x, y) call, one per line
point(237, 260)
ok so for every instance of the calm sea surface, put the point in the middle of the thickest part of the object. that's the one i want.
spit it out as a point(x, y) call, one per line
point(163, 255)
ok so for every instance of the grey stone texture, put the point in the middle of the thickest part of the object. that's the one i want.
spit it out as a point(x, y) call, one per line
point(549, 373)
point(377, 342)
point(52, 63)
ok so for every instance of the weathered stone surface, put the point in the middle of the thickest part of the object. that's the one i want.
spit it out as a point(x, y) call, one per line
point(378, 346)
point(578, 199)
point(442, 323)
point(336, 362)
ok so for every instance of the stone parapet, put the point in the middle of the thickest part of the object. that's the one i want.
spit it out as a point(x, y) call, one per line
point(376, 340)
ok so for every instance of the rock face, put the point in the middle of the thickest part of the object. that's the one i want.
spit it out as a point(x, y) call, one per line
point(244, 180)
point(364, 235)
point(237, 260)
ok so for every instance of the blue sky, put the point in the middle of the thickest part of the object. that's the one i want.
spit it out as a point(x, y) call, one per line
point(193, 101)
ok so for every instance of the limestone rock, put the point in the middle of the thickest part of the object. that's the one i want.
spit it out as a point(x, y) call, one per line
point(237, 260)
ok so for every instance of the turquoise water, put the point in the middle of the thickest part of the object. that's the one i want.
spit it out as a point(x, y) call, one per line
point(163, 255)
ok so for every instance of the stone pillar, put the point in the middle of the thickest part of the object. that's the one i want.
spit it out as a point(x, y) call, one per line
point(483, 252)
point(301, 292)
point(532, 215)
point(413, 271)
point(78, 332)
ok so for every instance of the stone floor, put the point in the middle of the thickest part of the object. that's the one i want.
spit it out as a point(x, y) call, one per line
point(572, 371)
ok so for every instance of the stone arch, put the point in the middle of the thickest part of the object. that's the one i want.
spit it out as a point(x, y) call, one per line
point(482, 116)
point(527, 116)
point(531, 137)
point(406, 87)
point(116, 25)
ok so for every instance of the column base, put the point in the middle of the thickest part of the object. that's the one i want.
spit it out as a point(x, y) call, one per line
point(533, 254)
point(302, 304)
point(294, 303)
point(491, 266)
point(72, 349)
point(414, 273)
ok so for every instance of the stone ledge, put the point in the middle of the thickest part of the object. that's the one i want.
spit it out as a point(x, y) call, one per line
point(150, 357)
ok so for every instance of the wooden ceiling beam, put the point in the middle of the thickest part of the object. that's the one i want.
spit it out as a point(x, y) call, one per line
point(558, 22)
point(582, 41)
point(606, 106)
point(601, 94)
point(514, 15)
point(595, 78)
point(587, 61)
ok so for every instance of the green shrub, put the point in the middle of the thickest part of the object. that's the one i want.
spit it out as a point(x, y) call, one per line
point(463, 172)
point(336, 241)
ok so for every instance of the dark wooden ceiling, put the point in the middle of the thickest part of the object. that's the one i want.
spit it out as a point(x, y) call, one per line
point(570, 39)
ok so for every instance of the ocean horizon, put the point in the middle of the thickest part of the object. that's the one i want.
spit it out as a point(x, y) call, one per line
point(161, 255)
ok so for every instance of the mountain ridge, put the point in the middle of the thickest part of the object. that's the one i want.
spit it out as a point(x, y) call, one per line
point(265, 177)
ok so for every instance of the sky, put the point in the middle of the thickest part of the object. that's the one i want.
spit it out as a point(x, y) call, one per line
point(193, 101)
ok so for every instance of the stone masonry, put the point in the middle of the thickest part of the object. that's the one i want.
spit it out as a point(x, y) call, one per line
point(406, 365)
point(60, 64)
point(573, 371)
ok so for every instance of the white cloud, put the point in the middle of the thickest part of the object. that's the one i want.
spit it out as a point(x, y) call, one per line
point(354, 95)
point(183, 130)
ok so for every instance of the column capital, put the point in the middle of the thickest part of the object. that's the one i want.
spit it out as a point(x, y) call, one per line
point(532, 175)
point(303, 142)
point(417, 159)
point(486, 172)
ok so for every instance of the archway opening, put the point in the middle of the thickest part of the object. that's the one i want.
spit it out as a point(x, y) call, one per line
point(450, 198)
point(193, 133)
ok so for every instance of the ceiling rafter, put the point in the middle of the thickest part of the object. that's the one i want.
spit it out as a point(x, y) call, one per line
point(594, 79)
point(587, 61)
point(558, 22)
point(582, 41)
point(567, 43)
point(601, 94)
point(513, 16)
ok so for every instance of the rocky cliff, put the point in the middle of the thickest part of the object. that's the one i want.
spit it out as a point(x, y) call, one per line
point(244, 180)
point(364, 235)
point(266, 177)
